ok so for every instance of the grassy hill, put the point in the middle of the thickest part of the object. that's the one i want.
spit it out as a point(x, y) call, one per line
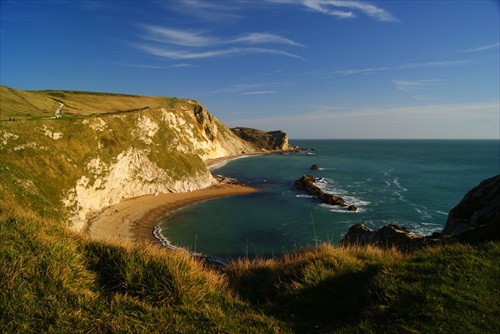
point(54, 280)
point(17, 103)
point(106, 147)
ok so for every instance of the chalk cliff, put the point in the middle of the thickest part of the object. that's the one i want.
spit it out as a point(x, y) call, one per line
point(104, 148)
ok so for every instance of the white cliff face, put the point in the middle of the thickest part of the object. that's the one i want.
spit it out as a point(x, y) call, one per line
point(111, 150)
point(131, 175)
point(146, 129)
point(201, 133)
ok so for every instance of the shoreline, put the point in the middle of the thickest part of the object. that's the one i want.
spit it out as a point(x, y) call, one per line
point(132, 221)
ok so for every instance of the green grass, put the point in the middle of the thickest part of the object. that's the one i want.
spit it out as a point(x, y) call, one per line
point(55, 281)
point(52, 280)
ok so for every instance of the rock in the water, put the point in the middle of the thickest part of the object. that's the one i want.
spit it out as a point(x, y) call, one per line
point(352, 208)
point(306, 183)
point(386, 237)
point(314, 167)
point(477, 217)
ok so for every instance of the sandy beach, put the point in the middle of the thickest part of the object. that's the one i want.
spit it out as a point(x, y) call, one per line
point(133, 220)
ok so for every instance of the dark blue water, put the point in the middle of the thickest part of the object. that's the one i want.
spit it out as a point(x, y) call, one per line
point(411, 183)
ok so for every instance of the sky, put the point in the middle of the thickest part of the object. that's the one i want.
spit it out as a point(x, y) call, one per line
point(312, 68)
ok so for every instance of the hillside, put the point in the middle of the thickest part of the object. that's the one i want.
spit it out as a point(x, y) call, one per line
point(273, 140)
point(108, 147)
point(105, 148)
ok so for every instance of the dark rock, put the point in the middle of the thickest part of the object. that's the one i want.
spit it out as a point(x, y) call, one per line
point(227, 180)
point(265, 141)
point(314, 167)
point(477, 217)
point(387, 237)
point(306, 183)
point(331, 199)
point(352, 208)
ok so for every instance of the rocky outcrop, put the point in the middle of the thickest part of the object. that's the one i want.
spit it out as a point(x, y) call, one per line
point(266, 141)
point(132, 174)
point(387, 237)
point(475, 219)
point(306, 183)
point(314, 167)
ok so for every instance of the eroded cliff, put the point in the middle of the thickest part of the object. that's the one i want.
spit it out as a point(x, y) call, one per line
point(105, 148)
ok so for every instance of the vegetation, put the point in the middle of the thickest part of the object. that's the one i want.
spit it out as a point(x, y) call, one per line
point(42, 158)
point(53, 280)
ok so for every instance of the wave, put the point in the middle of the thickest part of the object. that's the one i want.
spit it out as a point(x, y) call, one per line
point(304, 196)
point(398, 185)
point(224, 162)
point(162, 239)
point(340, 209)
point(166, 243)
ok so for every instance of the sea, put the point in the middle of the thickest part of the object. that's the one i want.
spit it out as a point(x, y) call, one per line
point(411, 183)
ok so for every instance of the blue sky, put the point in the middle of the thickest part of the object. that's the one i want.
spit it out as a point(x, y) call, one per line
point(312, 68)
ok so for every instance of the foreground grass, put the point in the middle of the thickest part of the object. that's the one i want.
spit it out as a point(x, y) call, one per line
point(54, 281)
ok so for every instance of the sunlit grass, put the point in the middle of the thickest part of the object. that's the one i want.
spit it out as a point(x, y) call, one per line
point(54, 280)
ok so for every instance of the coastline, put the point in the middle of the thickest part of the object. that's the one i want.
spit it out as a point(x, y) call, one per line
point(132, 221)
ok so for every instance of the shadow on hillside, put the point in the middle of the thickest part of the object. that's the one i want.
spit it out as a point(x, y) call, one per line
point(325, 305)
point(107, 262)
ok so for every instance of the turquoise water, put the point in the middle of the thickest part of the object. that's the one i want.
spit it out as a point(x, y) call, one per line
point(411, 183)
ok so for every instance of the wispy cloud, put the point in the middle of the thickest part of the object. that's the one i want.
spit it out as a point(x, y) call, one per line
point(483, 48)
point(435, 64)
point(258, 38)
point(414, 85)
point(255, 88)
point(183, 44)
point(373, 70)
point(345, 9)
point(227, 10)
point(154, 67)
point(369, 70)
point(183, 65)
point(333, 7)
point(187, 54)
point(261, 92)
point(176, 36)
point(212, 11)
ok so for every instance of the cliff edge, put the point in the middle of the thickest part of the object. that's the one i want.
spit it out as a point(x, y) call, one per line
point(68, 154)
point(475, 219)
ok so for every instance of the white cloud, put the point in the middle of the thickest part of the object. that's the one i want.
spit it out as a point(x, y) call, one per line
point(227, 10)
point(213, 11)
point(255, 88)
point(435, 63)
point(262, 92)
point(416, 85)
point(176, 37)
point(484, 47)
point(183, 65)
point(186, 54)
point(258, 38)
point(165, 42)
point(409, 65)
point(325, 7)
